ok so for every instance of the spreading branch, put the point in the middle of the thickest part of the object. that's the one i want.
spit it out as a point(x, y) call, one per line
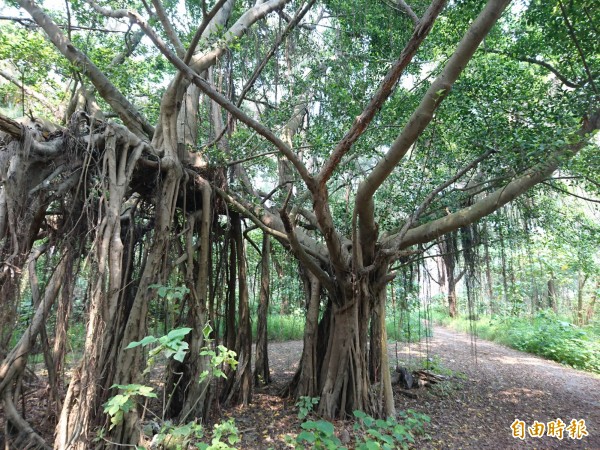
point(432, 99)
point(433, 194)
point(538, 173)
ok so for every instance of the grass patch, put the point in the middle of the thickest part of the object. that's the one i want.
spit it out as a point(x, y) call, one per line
point(545, 334)
point(282, 328)
point(406, 327)
point(290, 327)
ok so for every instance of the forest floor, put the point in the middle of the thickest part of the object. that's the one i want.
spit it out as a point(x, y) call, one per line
point(486, 387)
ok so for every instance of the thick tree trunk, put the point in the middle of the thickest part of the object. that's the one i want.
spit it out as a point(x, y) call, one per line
point(344, 374)
point(113, 321)
point(262, 374)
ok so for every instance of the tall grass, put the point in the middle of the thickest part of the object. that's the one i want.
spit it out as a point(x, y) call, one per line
point(281, 328)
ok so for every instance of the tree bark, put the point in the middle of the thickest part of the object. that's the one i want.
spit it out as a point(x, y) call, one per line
point(581, 280)
point(306, 380)
point(262, 375)
point(551, 294)
point(239, 389)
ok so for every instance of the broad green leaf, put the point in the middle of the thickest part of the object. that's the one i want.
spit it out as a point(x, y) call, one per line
point(147, 340)
point(306, 436)
point(178, 333)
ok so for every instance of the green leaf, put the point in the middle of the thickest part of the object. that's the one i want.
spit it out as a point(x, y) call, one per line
point(147, 340)
point(372, 445)
point(180, 354)
point(324, 427)
point(207, 330)
point(178, 333)
point(359, 414)
point(306, 436)
point(146, 391)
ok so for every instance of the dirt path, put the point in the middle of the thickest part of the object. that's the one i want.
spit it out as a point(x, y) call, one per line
point(499, 386)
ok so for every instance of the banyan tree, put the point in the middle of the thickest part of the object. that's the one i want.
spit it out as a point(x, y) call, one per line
point(376, 134)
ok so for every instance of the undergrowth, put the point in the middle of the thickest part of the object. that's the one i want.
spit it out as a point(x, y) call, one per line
point(400, 326)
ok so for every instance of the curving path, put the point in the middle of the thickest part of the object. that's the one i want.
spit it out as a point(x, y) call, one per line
point(490, 386)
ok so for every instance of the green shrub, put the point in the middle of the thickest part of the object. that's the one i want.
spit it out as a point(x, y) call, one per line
point(388, 434)
point(306, 405)
point(318, 435)
point(369, 433)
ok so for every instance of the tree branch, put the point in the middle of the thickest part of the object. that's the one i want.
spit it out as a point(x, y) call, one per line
point(270, 223)
point(126, 111)
point(432, 99)
point(188, 73)
point(564, 191)
point(202, 62)
point(309, 262)
point(409, 12)
point(200, 31)
point(30, 23)
point(168, 27)
point(386, 87)
point(257, 71)
point(250, 158)
point(500, 197)
point(419, 211)
point(364, 208)
point(10, 126)
point(540, 63)
point(577, 45)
